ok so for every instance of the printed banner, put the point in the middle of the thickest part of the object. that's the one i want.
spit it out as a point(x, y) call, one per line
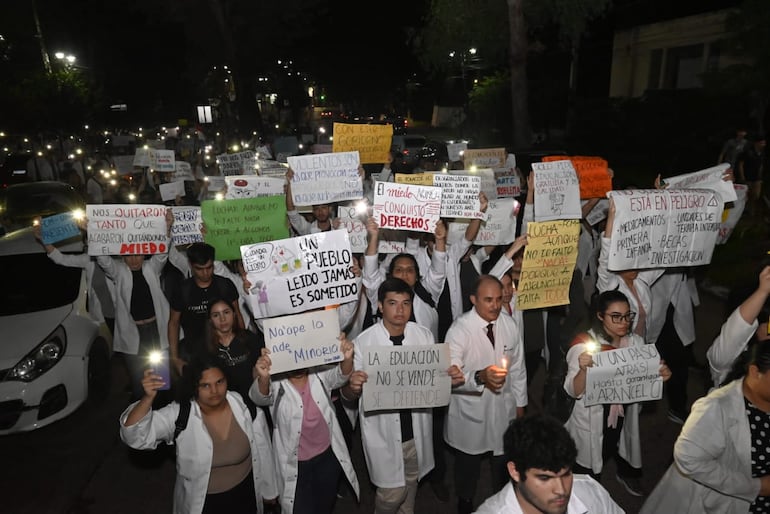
point(300, 273)
point(499, 229)
point(389, 241)
point(625, 375)
point(406, 206)
point(549, 260)
point(406, 377)
point(59, 227)
point(241, 163)
point(231, 224)
point(459, 195)
point(371, 141)
point(126, 229)
point(664, 228)
point(484, 157)
point(710, 178)
point(252, 186)
point(303, 340)
point(557, 191)
point(325, 178)
point(186, 228)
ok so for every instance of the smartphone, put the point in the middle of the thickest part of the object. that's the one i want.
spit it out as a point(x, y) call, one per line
point(158, 360)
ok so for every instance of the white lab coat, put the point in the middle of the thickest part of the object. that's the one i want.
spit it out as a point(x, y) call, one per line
point(675, 288)
point(712, 460)
point(194, 450)
point(381, 430)
point(732, 340)
point(287, 412)
point(85, 262)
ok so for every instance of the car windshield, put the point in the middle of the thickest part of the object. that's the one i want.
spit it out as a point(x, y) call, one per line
point(32, 282)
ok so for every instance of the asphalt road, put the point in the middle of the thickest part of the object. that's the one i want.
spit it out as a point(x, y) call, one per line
point(80, 466)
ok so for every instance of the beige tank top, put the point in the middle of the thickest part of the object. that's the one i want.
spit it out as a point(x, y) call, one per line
point(231, 462)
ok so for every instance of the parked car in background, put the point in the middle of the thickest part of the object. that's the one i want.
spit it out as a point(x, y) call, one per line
point(53, 355)
point(407, 147)
point(20, 204)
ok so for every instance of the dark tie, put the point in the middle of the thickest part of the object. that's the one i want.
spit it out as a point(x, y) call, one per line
point(491, 333)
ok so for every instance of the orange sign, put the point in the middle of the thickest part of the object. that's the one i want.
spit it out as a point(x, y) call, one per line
point(592, 174)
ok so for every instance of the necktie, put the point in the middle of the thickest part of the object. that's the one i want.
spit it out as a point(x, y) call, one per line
point(491, 333)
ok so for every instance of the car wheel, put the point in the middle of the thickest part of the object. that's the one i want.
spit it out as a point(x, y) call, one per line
point(99, 372)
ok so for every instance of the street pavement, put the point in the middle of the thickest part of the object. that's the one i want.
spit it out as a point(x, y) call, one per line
point(80, 466)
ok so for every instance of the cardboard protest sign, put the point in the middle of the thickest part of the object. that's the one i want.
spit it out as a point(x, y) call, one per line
point(508, 183)
point(455, 151)
point(59, 227)
point(186, 228)
point(459, 195)
point(182, 171)
point(625, 375)
point(233, 223)
point(162, 160)
point(170, 190)
point(710, 178)
point(484, 157)
point(388, 241)
point(406, 206)
point(406, 377)
point(325, 178)
point(124, 164)
point(126, 229)
point(420, 179)
point(371, 141)
point(240, 163)
point(302, 340)
point(549, 260)
point(252, 186)
point(498, 229)
point(488, 184)
point(301, 273)
point(664, 228)
point(557, 191)
point(732, 215)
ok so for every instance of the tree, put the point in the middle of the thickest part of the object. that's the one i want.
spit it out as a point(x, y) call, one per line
point(502, 32)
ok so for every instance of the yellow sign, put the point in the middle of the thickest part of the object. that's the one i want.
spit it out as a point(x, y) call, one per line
point(484, 157)
point(420, 179)
point(371, 141)
point(549, 260)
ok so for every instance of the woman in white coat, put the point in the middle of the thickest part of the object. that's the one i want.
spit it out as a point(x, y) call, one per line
point(224, 460)
point(720, 463)
point(605, 431)
point(310, 449)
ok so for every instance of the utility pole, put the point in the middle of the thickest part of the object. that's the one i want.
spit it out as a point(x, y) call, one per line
point(39, 36)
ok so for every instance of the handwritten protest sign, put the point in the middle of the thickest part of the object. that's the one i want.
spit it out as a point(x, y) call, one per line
point(302, 340)
point(488, 184)
point(325, 178)
point(557, 191)
point(270, 168)
point(59, 227)
point(459, 195)
point(252, 186)
point(710, 178)
point(592, 172)
point(142, 157)
point(170, 190)
point(484, 157)
point(732, 215)
point(389, 241)
point(126, 229)
point(406, 377)
point(162, 160)
point(664, 228)
point(124, 164)
point(371, 141)
point(233, 223)
point(455, 151)
point(182, 171)
point(549, 259)
point(508, 183)
point(406, 206)
point(625, 375)
point(186, 228)
point(240, 163)
point(420, 179)
point(499, 229)
point(301, 273)
point(215, 183)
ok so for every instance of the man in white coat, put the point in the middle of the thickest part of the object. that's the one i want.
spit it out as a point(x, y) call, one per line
point(398, 445)
point(488, 349)
point(540, 454)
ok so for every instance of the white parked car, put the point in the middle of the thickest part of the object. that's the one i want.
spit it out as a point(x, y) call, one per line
point(53, 355)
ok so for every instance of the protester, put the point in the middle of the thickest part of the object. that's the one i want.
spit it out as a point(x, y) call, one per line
point(224, 459)
point(605, 431)
point(720, 462)
point(732, 148)
point(311, 452)
point(487, 347)
point(540, 455)
point(397, 445)
point(751, 167)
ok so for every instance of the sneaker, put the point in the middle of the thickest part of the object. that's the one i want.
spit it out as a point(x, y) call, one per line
point(631, 485)
point(440, 490)
point(676, 416)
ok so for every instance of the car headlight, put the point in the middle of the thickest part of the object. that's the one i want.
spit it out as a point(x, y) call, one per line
point(42, 358)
